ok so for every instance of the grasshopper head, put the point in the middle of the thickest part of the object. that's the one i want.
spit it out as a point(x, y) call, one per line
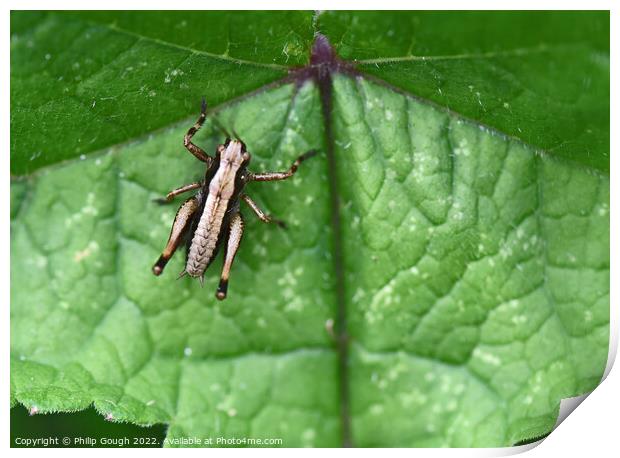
point(234, 152)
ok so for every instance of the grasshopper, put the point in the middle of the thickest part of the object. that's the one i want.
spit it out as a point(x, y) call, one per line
point(211, 217)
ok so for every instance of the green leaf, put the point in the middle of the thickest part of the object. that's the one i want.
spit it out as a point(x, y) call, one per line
point(487, 302)
point(542, 78)
point(145, 349)
point(463, 267)
point(82, 82)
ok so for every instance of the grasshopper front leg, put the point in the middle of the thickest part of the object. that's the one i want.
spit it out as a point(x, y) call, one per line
point(187, 140)
point(276, 176)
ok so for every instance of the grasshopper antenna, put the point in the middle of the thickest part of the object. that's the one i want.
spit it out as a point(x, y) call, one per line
point(216, 122)
point(218, 125)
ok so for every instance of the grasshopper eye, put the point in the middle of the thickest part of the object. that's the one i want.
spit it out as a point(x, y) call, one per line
point(246, 157)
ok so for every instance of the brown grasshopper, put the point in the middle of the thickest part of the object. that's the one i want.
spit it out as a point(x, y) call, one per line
point(211, 218)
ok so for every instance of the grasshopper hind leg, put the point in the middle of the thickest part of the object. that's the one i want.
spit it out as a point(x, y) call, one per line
point(232, 245)
point(182, 222)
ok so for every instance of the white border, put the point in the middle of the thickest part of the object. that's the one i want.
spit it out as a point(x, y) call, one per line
point(312, 5)
point(591, 429)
